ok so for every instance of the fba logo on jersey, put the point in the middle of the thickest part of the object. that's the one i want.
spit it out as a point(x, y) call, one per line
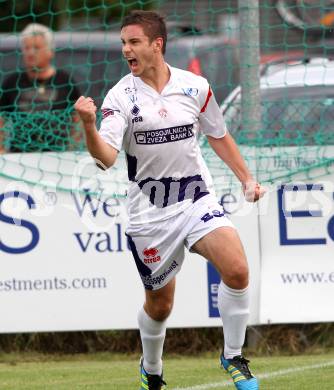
point(135, 111)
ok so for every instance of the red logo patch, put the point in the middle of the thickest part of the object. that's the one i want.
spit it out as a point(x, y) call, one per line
point(150, 252)
point(150, 255)
point(107, 112)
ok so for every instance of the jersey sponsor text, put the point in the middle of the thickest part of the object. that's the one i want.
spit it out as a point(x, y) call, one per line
point(160, 136)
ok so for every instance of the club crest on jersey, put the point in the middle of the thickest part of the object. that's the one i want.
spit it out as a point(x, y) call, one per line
point(190, 91)
point(150, 255)
point(108, 112)
point(163, 112)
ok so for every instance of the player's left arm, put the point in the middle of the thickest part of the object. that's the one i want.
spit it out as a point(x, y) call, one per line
point(226, 148)
point(212, 125)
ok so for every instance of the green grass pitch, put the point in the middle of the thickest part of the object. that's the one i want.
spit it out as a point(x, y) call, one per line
point(120, 372)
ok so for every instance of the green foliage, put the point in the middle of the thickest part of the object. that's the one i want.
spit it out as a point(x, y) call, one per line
point(288, 339)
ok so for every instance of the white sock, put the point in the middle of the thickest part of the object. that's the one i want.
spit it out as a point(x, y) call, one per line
point(152, 335)
point(233, 307)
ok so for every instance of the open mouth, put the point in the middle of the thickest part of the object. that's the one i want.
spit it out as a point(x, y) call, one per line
point(133, 63)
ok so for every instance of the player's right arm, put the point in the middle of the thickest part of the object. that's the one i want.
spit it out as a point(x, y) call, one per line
point(104, 153)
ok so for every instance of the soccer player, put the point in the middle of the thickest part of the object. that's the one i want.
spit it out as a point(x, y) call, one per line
point(156, 114)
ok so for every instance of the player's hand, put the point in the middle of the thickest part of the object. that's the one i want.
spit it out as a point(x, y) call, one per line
point(86, 109)
point(253, 191)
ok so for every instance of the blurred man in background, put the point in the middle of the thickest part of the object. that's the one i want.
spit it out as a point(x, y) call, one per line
point(35, 102)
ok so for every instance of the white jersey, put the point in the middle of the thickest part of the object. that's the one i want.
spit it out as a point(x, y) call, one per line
point(158, 132)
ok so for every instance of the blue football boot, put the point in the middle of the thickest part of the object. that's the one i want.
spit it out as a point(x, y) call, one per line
point(240, 373)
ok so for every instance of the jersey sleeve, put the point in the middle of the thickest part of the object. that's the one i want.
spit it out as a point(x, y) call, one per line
point(211, 119)
point(114, 121)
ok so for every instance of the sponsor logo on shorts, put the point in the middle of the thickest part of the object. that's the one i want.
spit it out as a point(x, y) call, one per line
point(149, 282)
point(150, 252)
point(150, 255)
point(161, 136)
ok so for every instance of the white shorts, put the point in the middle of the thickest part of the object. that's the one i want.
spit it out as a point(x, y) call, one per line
point(158, 248)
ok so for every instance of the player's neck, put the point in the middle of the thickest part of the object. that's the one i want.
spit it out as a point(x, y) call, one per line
point(157, 77)
point(41, 74)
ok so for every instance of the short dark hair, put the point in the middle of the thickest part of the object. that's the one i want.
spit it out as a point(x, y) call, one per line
point(153, 24)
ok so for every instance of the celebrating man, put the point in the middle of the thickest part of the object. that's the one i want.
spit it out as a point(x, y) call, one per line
point(156, 113)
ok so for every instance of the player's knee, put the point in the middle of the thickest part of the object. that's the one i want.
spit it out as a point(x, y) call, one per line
point(238, 276)
point(160, 310)
point(163, 311)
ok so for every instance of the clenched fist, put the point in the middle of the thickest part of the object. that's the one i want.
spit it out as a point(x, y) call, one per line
point(86, 109)
point(253, 191)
